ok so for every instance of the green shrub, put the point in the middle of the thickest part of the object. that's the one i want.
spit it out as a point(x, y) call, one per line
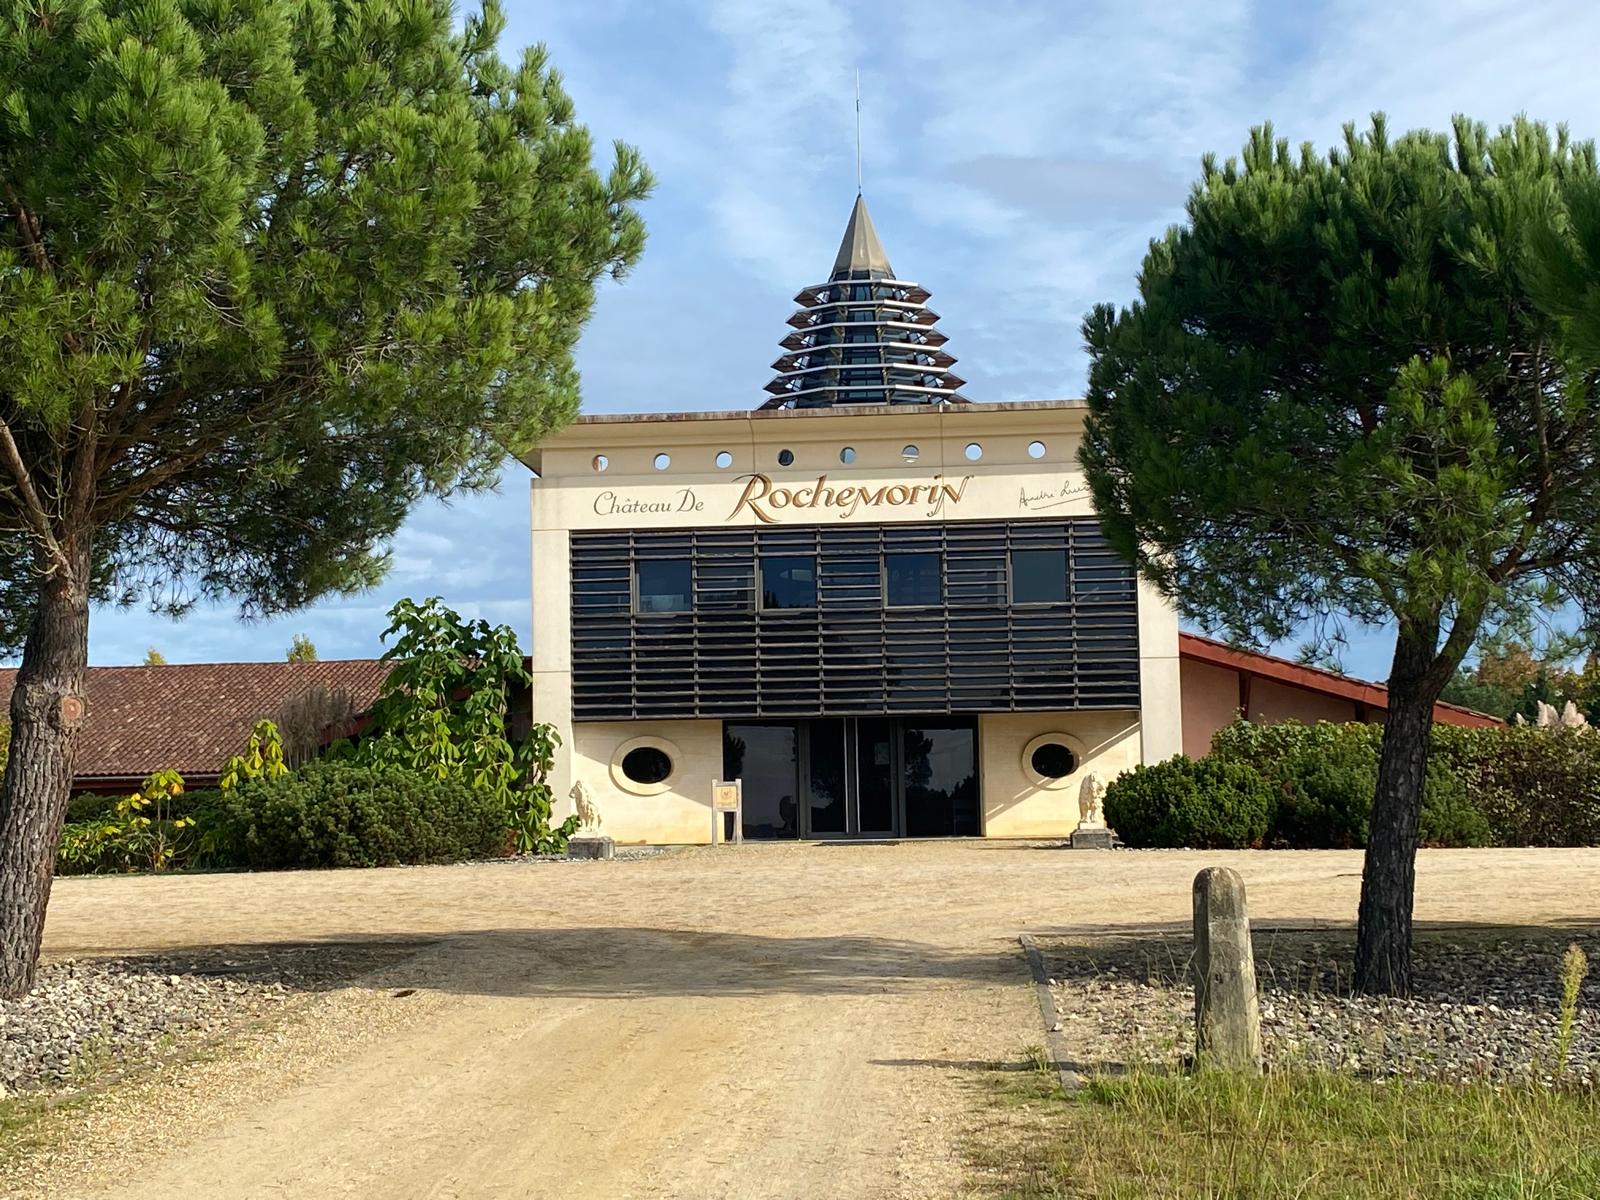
point(144, 831)
point(337, 814)
point(1324, 777)
point(1535, 787)
point(1450, 816)
point(1205, 804)
point(1324, 795)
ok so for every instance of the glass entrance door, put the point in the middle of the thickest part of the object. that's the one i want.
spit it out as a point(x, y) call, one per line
point(877, 777)
point(877, 796)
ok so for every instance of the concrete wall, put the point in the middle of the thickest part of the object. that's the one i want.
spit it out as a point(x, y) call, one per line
point(1273, 701)
point(1211, 700)
point(678, 810)
point(1160, 683)
point(1018, 803)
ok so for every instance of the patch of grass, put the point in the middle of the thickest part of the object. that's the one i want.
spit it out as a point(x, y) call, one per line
point(1292, 1134)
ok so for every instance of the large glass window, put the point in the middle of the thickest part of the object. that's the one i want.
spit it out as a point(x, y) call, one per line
point(1038, 576)
point(788, 581)
point(941, 779)
point(665, 585)
point(825, 746)
point(767, 758)
point(912, 579)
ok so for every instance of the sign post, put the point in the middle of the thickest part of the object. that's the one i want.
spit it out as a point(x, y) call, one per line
point(727, 796)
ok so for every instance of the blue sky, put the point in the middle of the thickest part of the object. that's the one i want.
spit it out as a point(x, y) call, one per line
point(1018, 158)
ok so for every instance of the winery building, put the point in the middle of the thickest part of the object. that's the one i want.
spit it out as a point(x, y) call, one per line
point(888, 611)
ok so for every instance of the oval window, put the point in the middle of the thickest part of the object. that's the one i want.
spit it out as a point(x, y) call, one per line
point(646, 764)
point(974, 452)
point(724, 459)
point(910, 453)
point(601, 462)
point(847, 455)
point(1035, 449)
point(785, 458)
point(1053, 761)
point(663, 461)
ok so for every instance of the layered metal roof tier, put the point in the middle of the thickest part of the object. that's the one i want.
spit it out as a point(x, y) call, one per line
point(864, 337)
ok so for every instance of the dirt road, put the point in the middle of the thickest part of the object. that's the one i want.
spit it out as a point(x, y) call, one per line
point(763, 1021)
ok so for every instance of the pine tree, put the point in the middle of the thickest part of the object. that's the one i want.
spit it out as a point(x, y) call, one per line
point(302, 650)
point(1342, 395)
point(270, 272)
point(154, 658)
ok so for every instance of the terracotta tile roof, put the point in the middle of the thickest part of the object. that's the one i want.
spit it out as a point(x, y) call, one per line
point(1313, 679)
point(192, 716)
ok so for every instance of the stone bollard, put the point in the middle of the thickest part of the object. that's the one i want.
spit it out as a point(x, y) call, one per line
point(1227, 1017)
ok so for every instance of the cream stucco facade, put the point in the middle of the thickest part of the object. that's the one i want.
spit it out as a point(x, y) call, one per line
point(785, 468)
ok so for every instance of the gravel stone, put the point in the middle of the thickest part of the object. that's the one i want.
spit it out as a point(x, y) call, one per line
point(1484, 1007)
point(87, 1017)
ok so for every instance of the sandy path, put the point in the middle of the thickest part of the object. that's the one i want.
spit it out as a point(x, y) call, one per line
point(769, 1021)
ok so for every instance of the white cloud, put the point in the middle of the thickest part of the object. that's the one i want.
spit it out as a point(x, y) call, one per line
point(1018, 158)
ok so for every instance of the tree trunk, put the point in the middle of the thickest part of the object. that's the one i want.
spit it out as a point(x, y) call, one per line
point(47, 712)
point(1389, 875)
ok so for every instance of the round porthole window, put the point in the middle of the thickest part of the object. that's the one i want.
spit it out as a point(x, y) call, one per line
point(1035, 449)
point(974, 452)
point(910, 453)
point(663, 461)
point(724, 459)
point(786, 458)
point(847, 455)
point(1052, 760)
point(647, 765)
point(601, 462)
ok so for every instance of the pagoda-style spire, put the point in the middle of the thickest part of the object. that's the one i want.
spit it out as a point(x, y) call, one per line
point(864, 337)
point(861, 250)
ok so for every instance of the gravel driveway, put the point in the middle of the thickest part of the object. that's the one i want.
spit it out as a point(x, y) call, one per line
point(756, 1021)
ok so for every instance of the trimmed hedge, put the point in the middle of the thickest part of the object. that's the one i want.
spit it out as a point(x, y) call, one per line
point(1203, 804)
point(334, 814)
point(1535, 787)
point(1323, 778)
point(1497, 785)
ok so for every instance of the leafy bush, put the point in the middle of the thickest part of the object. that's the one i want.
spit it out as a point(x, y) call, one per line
point(141, 832)
point(1450, 817)
point(338, 814)
point(443, 712)
point(1324, 776)
point(1207, 804)
point(1535, 787)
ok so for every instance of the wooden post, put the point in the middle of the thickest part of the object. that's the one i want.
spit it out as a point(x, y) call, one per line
point(1227, 1016)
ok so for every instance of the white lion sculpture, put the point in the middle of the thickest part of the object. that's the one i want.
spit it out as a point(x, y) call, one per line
point(588, 812)
point(1091, 803)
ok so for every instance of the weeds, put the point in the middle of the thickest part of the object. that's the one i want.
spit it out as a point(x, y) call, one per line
point(1574, 966)
point(1299, 1134)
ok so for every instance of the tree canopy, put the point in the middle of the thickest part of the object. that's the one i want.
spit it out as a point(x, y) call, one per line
point(270, 271)
point(1343, 392)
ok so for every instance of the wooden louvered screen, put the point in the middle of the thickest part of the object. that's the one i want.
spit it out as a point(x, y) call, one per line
point(851, 655)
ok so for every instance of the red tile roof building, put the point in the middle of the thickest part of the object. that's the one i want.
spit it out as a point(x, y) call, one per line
point(191, 717)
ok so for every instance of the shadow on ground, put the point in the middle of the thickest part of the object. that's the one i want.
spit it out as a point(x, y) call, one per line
point(608, 962)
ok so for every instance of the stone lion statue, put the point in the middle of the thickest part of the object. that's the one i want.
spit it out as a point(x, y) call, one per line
point(588, 812)
point(1091, 803)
